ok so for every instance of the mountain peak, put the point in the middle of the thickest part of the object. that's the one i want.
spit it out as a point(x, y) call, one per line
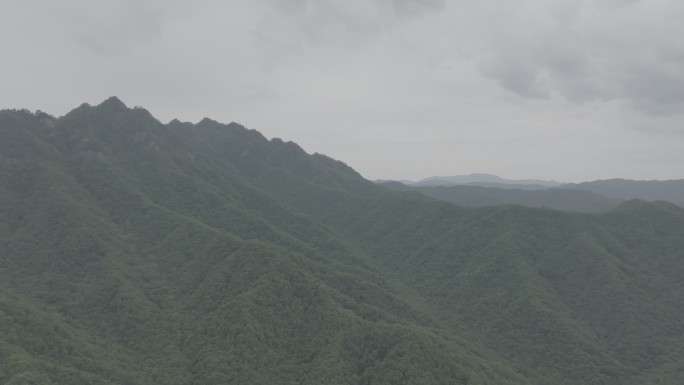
point(207, 122)
point(112, 104)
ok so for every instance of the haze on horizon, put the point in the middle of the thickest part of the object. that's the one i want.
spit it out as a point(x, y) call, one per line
point(398, 89)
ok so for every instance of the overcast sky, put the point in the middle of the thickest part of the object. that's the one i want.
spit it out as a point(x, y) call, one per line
point(398, 89)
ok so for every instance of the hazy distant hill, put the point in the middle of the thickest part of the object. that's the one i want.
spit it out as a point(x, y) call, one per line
point(529, 187)
point(669, 190)
point(135, 252)
point(486, 180)
point(553, 198)
point(666, 190)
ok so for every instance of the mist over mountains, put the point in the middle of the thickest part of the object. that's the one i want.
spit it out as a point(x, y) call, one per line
point(136, 252)
point(487, 180)
point(665, 190)
point(477, 190)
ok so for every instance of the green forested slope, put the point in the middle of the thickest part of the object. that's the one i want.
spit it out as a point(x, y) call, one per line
point(133, 252)
point(577, 299)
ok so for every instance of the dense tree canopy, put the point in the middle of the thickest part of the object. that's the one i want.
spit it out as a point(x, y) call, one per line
point(134, 252)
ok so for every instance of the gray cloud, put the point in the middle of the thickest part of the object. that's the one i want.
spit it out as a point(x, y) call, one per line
point(396, 88)
point(412, 7)
point(108, 28)
point(619, 50)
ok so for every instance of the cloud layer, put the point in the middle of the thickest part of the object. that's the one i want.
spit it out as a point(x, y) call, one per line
point(564, 89)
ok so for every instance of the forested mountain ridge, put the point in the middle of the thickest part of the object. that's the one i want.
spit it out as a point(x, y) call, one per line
point(136, 252)
point(179, 266)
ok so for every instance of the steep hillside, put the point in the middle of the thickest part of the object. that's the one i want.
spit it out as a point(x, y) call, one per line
point(577, 299)
point(136, 252)
point(157, 254)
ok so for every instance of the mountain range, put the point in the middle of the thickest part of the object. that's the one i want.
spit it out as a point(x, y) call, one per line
point(651, 190)
point(136, 252)
point(477, 190)
point(485, 180)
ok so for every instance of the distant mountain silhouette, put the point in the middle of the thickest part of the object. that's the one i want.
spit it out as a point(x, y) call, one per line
point(622, 189)
point(651, 190)
point(487, 180)
point(477, 196)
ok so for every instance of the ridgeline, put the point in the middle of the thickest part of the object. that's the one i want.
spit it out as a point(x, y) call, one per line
point(136, 252)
